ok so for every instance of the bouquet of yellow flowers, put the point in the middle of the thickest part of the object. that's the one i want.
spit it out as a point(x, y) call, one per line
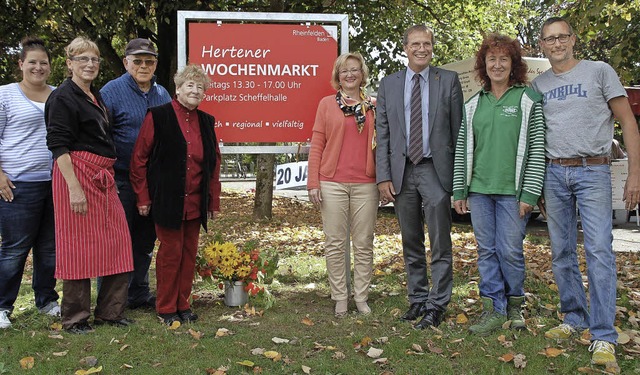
point(224, 261)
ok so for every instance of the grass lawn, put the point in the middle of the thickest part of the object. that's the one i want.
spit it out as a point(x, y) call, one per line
point(241, 340)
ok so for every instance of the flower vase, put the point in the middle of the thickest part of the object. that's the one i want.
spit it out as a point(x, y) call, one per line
point(234, 293)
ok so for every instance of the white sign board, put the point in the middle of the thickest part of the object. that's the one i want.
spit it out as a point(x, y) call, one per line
point(619, 172)
point(467, 74)
point(291, 175)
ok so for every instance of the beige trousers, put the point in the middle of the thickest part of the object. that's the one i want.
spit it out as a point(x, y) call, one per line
point(349, 208)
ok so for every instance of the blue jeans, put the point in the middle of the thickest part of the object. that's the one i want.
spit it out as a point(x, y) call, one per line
point(143, 240)
point(590, 188)
point(27, 223)
point(499, 231)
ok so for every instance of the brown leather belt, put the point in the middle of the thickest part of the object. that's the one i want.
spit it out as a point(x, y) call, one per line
point(579, 162)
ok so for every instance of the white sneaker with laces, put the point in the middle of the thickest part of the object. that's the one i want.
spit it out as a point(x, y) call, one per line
point(4, 319)
point(51, 309)
point(603, 352)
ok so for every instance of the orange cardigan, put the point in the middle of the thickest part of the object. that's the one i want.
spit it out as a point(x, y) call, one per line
point(326, 142)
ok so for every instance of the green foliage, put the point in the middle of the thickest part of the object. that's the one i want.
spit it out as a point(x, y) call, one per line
point(608, 31)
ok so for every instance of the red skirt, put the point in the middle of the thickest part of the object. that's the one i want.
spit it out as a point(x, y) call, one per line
point(97, 243)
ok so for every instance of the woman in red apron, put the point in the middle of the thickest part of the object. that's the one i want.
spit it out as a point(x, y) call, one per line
point(92, 236)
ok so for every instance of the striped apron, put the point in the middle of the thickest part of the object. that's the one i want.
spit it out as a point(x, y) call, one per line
point(97, 243)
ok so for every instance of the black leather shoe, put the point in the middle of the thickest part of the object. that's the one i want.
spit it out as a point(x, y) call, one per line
point(124, 322)
point(188, 316)
point(416, 310)
point(432, 318)
point(149, 303)
point(80, 328)
point(168, 319)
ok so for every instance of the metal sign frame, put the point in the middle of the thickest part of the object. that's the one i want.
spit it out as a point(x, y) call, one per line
point(184, 17)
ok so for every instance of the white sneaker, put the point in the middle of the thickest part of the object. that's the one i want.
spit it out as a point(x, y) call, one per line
point(4, 319)
point(51, 309)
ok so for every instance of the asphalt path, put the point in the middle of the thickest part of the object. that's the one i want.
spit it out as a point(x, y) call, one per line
point(626, 234)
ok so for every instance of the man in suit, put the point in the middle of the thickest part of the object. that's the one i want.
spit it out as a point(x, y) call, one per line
point(416, 173)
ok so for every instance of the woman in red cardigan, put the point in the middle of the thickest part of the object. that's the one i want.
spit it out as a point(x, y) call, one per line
point(342, 179)
point(175, 173)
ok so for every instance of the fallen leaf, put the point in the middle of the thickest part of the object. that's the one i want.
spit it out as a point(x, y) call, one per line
point(306, 369)
point(257, 351)
point(278, 340)
point(374, 353)
point(275, 356)
point(92, 370)
point(222, 370)
point(222, 332)
point(612, 368)
point(623, 338)
point(417, 348)
point(552, 352)
point(127, 366)
point(57, 337)
point(90, 361)
point(124, 347)
point(174, 325)
point(519, 361)
point(588, 370)
point(27, 363)
point(382, 340)
point(246, 363)
point(307, 321)
point(338, 355)
point(508, 357)
point(60, 354)
point(461, 319)
point(366, 341)
point(195, 334)
point(56, 326)
point(381, 361)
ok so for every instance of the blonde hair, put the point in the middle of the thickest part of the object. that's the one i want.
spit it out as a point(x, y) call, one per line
point(341, 60)
point(80, 45)
point(77, 46)
point(191, 73)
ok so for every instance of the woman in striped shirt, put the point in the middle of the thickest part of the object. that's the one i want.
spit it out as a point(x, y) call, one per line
point(26, 206)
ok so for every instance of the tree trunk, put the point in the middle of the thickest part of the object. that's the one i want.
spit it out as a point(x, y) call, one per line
point(264, 186)
point(167, 58)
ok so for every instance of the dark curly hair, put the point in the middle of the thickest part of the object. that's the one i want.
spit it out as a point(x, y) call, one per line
point(503, 43)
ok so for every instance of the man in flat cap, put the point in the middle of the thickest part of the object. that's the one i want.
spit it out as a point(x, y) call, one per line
point(127, 98)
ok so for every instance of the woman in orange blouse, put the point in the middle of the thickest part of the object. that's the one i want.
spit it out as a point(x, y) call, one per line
point(342, 179)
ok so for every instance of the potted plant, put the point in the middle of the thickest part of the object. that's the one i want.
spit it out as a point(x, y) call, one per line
point(242, 270)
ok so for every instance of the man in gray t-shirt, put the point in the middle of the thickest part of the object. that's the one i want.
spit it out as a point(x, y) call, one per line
point(581, 99)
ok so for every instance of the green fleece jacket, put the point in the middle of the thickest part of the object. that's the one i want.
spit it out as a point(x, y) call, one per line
point(530, 163)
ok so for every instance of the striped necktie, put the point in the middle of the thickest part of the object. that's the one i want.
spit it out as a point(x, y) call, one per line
point(415, 125)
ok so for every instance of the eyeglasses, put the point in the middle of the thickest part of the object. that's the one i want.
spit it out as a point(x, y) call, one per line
point(85, 59)
point(551, 40)
point(146, 62)
point(350, 71)
point(416, 46)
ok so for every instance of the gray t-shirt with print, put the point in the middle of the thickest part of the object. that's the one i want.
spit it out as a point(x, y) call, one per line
point(579, 120)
